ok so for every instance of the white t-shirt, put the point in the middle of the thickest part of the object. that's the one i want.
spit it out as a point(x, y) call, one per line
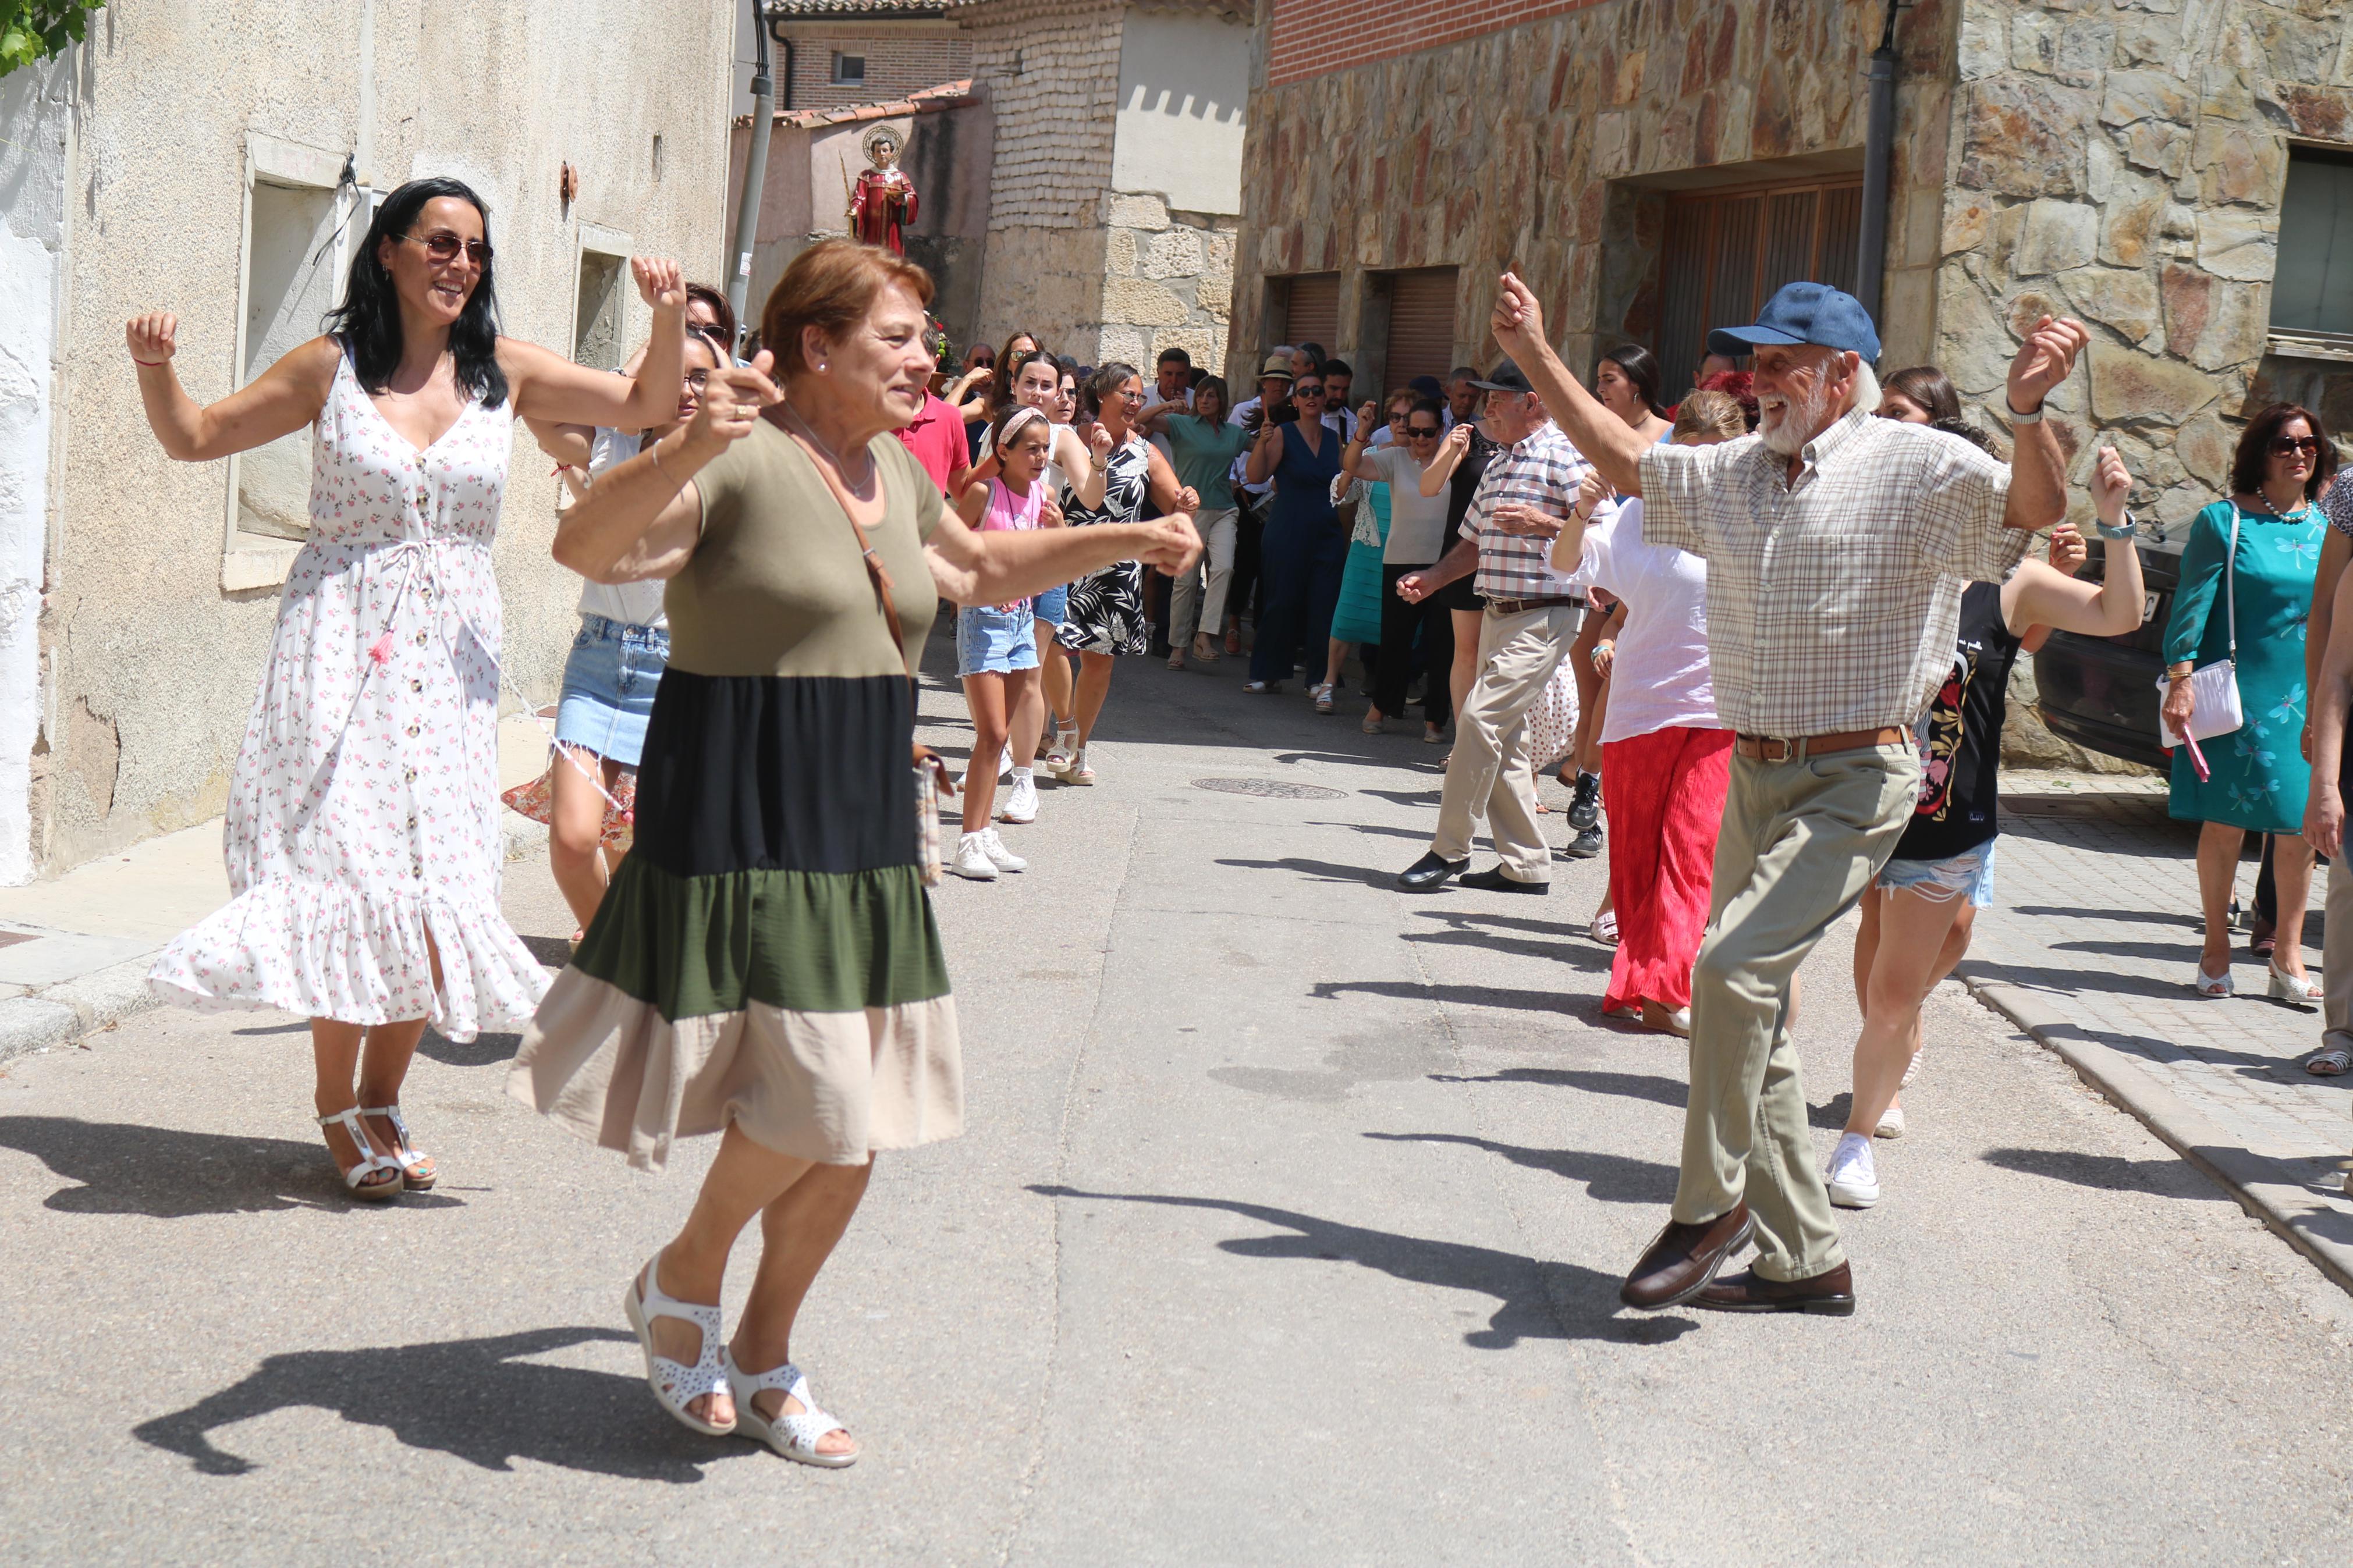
point(631, 604)
point(1659, 680)
point(1417, 521)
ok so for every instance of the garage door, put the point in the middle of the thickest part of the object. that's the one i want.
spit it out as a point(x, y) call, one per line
point(1312, 312)
point(1421, 325)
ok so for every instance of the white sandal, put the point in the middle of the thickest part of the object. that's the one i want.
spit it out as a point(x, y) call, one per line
point(409, 1158)
point(676, 1385)
point(2214, 986)
point(794, 1433)
point(356, 1180)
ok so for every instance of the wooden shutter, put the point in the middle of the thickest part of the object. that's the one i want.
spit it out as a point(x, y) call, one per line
point(1311, 314)
point(1422, 327)
point(1727, 251)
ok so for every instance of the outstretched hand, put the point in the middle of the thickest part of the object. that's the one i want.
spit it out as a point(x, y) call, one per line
point(2044, 360)
point(154, 337)
point(731, 401)
point(1171, 546)
point(660, 283)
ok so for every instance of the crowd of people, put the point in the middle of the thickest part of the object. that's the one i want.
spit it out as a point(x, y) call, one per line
point(1764, 631)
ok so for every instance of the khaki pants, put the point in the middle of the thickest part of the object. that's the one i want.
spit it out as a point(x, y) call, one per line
point(1801, 841)
point(2336, 959)
point(1491, 775)
point(1216, 526)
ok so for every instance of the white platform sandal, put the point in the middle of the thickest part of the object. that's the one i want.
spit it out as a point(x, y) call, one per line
point(408, 1157)
point(356, 1180)
point(676, 1385)
point(795, 1435)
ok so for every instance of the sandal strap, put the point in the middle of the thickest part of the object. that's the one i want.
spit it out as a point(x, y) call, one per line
point(410, 1153)
point(785, 1377)
point(369, 1160)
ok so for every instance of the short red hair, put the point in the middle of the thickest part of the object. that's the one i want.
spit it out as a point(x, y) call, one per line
point(831, 286)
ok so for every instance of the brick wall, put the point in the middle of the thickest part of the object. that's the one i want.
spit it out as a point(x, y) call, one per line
point(900, 58)
point(1310, 38)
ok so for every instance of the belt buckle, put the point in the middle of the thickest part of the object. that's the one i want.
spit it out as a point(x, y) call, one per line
point(1767, 754)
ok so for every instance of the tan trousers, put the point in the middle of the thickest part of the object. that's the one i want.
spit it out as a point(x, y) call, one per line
point(1801, 840)
point(1217, 528)
point(2336, 959)
point(1491, 774)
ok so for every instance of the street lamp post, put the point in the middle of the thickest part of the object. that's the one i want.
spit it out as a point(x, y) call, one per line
point(755, 165)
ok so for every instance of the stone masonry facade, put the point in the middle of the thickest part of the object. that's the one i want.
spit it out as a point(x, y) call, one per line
point(1170, 283)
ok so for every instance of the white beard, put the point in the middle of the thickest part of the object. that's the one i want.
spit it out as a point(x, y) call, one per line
point(1788, 423)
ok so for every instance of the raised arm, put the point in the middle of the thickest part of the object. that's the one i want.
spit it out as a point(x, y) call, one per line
point(2040, 595)
point(1439, 470)
point(1170, 494)
point(548, 386)
point(1608, 442)
point(279, 402)
point(2038, 468)
point(643, 518)
point(974, 568)
point(1265, 455)
point(1568, 544)
point(1353, 455)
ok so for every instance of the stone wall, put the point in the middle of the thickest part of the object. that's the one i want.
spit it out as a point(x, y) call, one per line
point(2122, 160)
point(1539, 147)
point(1170, 283)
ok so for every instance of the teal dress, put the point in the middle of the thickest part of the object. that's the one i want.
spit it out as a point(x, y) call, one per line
point(2259, 775)
point(1357, 616)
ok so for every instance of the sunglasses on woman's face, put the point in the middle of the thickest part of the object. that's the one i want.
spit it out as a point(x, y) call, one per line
point(1422, 432)
point(444, 247)
point(2288, 446)
point(1307, 390)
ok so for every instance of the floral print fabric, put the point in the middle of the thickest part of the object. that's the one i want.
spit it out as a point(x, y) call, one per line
point(362, 810)
point(1106, 607)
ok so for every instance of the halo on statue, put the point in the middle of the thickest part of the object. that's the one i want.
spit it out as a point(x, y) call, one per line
point(877, 138)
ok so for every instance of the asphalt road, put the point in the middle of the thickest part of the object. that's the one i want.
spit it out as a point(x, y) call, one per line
point(1288, 1228)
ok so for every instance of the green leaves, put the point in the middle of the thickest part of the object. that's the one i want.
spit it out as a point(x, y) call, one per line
point(33, 30)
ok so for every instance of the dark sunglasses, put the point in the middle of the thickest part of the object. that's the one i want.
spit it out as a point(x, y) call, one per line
point(445, 247)
point(1422, 432)
point(1306, 391)
point(2286, 446)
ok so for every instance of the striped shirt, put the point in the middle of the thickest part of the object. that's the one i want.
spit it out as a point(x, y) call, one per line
point(1834, 599)
point(1542, 470)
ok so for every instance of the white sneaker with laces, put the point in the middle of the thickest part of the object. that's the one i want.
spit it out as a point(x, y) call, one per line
point(1005, 762)
point(1001, 857)
point(1853, 1181)
point(1021, 805)
point(972, 860)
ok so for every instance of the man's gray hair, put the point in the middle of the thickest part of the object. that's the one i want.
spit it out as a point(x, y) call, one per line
point(1866, 388)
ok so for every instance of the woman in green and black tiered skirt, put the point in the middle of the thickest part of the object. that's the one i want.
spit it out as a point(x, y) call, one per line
point(765, 965)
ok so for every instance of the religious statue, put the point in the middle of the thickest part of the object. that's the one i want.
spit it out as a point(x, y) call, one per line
point(882, 203)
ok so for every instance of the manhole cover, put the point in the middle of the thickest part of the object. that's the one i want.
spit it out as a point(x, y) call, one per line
point(1271, 788)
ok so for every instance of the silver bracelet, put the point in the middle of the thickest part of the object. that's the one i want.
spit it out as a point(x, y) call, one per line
point(2035, 417)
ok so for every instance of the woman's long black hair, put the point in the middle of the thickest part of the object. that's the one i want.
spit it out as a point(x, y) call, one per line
point(1642, 368)
point(368, 321)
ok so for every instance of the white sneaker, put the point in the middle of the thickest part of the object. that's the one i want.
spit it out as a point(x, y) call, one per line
point(1892, 1124)
point(1005, 762)
point(1021, 805)
point(1001, 857)
point(1853, 1181)
point(972, 859)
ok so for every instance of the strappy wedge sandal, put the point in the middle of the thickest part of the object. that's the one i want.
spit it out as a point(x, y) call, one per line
point(675, 1385)
point(418, 1170)
point(356, 1179)
point(795, 1434)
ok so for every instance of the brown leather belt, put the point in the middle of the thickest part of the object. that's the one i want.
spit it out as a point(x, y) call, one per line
point(1519, 607)
point(1775, 749)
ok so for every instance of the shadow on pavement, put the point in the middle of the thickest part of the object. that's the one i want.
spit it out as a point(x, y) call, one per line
point(555, 951)
point(1411, 835)
point(299, 1027)
point(1539, 1301)
point(1403, 796)
point(481, 1051)
point(1322, 870)
point(1460, 995)
point(168, 1174)
point(1671, 1093)
point(1608, 1178)
point(2167, 1178)
point(2188, 920)
point(473, 1399)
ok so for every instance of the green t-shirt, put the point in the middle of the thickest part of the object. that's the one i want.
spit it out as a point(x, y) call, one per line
point(1205, 456)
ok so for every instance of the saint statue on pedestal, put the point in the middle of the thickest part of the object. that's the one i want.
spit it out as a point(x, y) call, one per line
point(882, 203)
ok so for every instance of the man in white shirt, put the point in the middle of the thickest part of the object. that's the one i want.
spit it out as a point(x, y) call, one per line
point(1339, 416)
point(1462, 396)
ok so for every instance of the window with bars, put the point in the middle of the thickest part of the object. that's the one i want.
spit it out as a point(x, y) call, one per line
point(1728, 250)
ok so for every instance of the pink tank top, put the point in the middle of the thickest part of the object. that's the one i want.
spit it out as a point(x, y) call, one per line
point(1010, 512)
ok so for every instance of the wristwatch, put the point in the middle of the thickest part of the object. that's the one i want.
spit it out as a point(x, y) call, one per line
point(2032, 417)
point(2121, 530)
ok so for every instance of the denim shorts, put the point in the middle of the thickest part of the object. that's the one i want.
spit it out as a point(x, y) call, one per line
point(990, 641)
point(1053, 605)
point(608, 687)
point(1968, 874)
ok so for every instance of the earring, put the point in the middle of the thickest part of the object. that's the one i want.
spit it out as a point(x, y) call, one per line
point(821, 367)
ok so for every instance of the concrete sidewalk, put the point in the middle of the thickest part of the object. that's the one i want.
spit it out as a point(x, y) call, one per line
point(74, 951)
point(2090, 948)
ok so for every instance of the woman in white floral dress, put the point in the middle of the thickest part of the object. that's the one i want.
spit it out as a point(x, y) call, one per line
point(362, 837)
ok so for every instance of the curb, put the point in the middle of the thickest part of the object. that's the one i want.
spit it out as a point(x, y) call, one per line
point(2285, 1193)
point(62, 1013)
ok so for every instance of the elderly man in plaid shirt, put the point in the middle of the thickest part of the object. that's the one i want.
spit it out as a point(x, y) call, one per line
point(1531, 616)
point(1838, 545)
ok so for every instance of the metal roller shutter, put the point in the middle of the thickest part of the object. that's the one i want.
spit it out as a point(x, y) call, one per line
point(1421, 326)
point(1311, 314)
point(1728, 250)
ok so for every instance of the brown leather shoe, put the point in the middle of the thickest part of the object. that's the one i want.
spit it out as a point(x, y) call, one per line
point(1830, 1294)
point(1678, 1265)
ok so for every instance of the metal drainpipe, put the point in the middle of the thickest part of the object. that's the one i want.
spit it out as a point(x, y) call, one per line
point(1870, 253)
point(755, 165)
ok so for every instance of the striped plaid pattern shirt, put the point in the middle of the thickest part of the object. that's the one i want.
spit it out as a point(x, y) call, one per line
point(1543, 471)
point(1833, 599)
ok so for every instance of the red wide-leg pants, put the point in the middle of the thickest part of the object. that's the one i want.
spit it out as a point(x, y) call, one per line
point(1665, 792)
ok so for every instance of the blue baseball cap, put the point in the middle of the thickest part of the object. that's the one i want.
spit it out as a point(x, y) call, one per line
point(1812, 314)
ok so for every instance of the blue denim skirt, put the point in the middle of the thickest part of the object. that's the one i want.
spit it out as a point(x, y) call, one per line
point(1053, 605)
point(990, 641)
point(608, 687)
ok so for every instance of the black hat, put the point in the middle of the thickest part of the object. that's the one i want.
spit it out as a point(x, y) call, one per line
point(1505, 377)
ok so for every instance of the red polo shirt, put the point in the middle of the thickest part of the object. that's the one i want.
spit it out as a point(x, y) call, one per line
point(936, 437)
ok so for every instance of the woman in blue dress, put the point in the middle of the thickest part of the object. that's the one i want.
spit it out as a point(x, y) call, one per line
point(1303, 552)
point(2268, 533)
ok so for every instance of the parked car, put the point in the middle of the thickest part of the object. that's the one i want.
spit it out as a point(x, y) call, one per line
point(2102, 693)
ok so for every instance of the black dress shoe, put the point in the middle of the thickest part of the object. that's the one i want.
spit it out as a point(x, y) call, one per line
point(1492, 880)
point(1830, 1294)
point(1684, 1260)
point(1429, 874)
